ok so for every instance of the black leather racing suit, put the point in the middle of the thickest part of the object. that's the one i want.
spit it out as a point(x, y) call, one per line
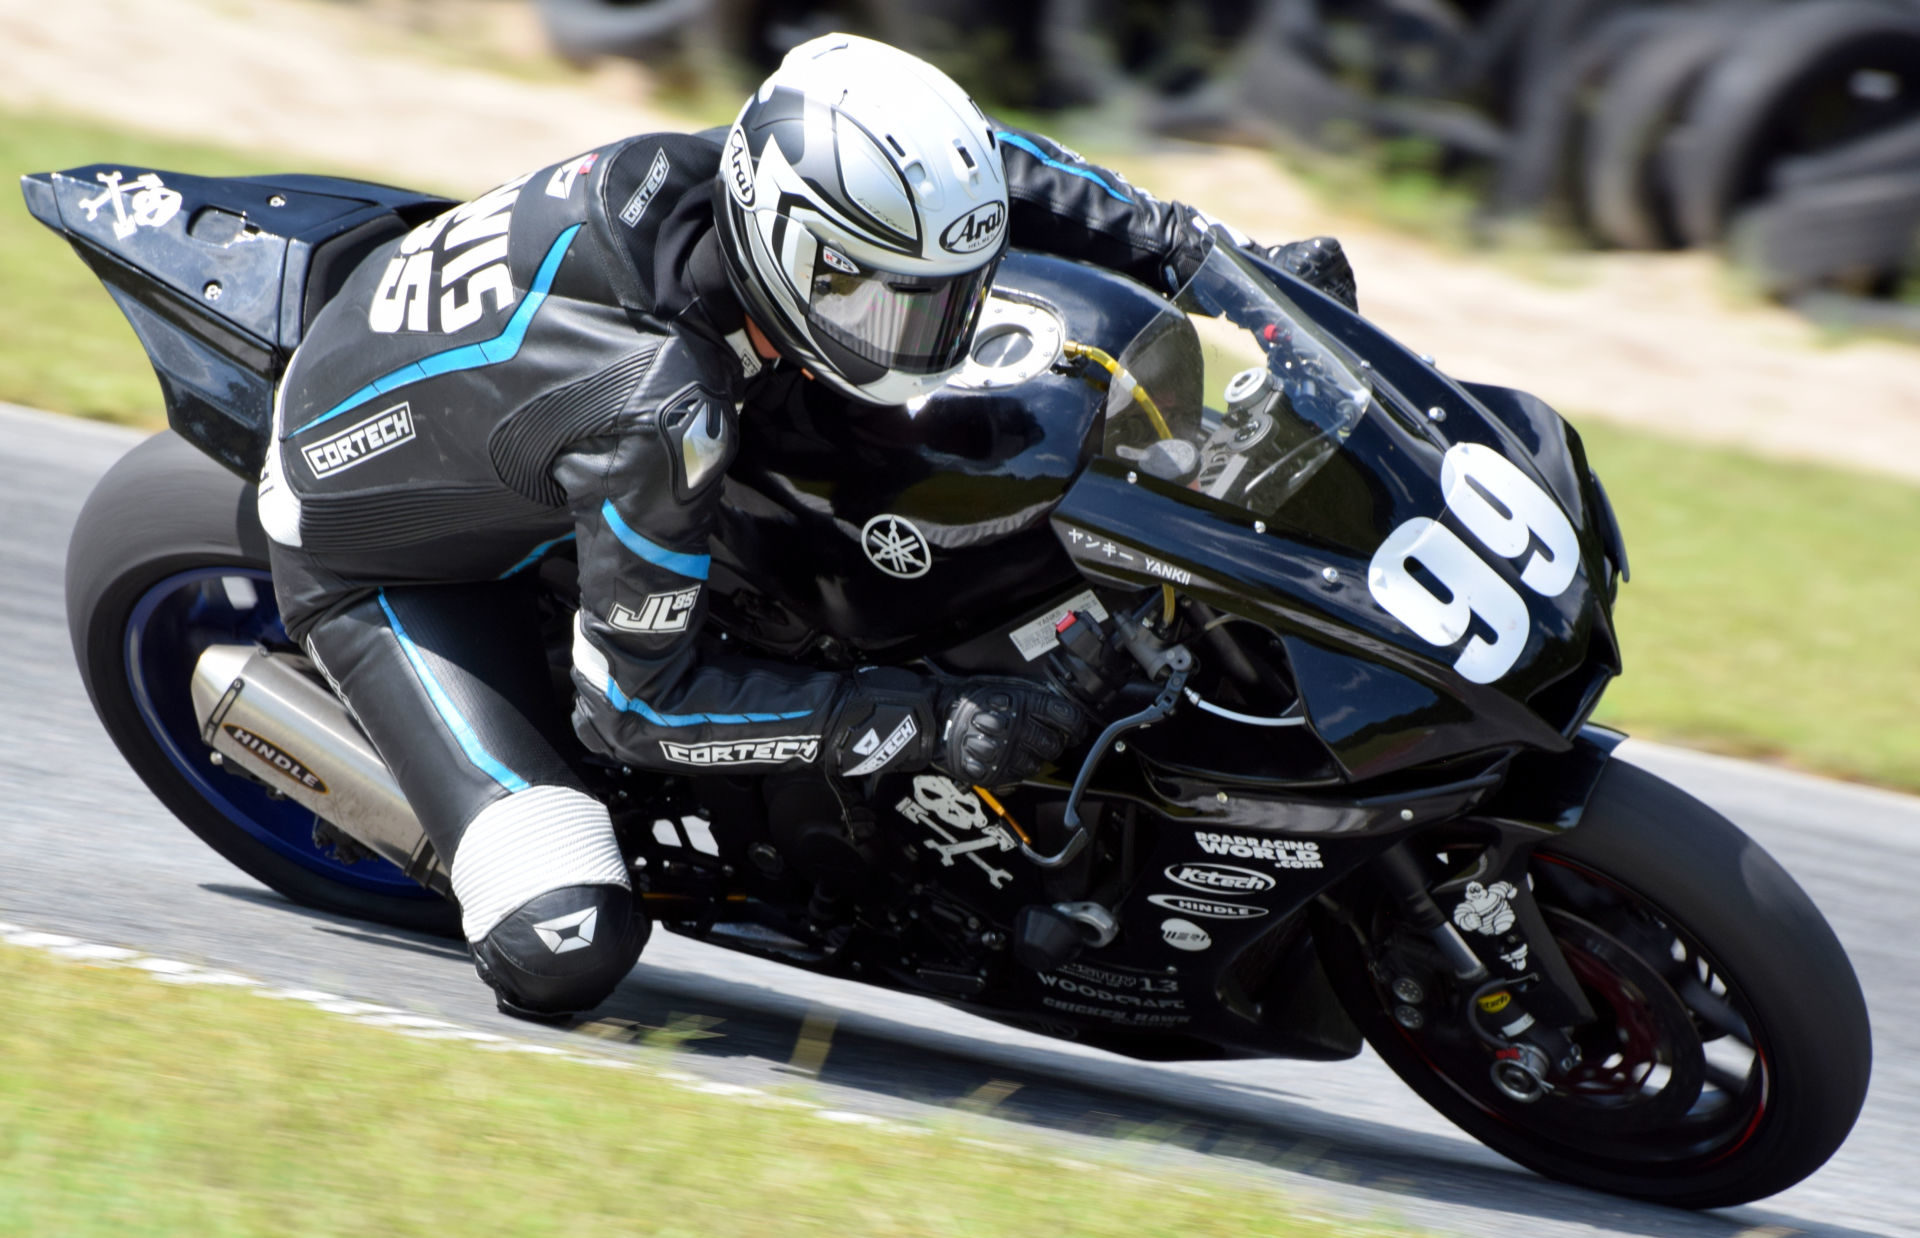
point(562, 359)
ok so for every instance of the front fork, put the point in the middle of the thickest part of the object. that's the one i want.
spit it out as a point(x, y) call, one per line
point(1517, 992)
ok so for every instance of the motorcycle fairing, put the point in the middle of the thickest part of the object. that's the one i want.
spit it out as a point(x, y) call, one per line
point(219, 276)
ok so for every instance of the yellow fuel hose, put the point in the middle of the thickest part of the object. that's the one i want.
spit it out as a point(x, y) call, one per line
point(1128, 386)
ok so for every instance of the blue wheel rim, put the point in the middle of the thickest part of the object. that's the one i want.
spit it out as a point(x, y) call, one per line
point(173, 623)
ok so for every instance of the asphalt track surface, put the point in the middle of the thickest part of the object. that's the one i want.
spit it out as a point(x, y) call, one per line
point(85, 850)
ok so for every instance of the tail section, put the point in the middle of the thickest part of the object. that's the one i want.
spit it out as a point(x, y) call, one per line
point(220, 276)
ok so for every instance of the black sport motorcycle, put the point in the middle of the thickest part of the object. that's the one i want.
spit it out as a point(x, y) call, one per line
point(1343, 619)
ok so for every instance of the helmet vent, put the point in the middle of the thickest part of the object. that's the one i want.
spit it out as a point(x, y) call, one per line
point(966, 156)
point(897, 148)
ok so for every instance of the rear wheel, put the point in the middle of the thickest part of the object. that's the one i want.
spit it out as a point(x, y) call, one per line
point(167, 559)
point(1730, 1051)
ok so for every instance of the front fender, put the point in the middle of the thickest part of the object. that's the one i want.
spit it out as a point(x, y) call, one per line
point(1549, 791)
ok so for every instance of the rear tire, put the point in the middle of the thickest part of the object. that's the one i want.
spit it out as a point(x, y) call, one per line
point(166, 521)
point(1680, 927)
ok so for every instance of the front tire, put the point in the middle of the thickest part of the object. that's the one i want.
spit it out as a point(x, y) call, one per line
point(1731, 1052)
point(167, 558)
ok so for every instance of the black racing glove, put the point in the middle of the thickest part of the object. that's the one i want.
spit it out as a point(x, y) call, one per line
point(1001, 731)
point(1321, 262)
point(888, 721)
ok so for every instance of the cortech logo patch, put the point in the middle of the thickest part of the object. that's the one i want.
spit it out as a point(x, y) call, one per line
point(975, 230)
point(661, 612)
point(1284, 852)
point(877, 753)
point(643, 197)
point(359, 443)
point(1221, 879)
point(774, 751)
point(269, 752)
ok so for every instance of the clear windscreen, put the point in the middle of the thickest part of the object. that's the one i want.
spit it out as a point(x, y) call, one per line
point(1233, 392)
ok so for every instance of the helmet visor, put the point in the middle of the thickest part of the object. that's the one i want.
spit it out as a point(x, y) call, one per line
point(910, 323)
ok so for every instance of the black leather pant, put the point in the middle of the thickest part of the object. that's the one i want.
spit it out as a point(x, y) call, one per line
point(452, 685)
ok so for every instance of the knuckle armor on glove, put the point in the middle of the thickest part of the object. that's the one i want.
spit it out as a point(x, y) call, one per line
point(1000, 731)
point(1321, 262)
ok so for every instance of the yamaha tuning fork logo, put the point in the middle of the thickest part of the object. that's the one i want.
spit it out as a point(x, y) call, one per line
point(895, 547)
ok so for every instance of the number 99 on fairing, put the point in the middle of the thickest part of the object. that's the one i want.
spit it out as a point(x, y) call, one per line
point(1506, 511)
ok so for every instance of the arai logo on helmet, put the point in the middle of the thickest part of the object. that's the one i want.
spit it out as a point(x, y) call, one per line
point(976, 229)
point(739, 167)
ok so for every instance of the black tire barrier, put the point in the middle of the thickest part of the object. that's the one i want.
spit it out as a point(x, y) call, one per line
point(1895, 149)
point(1539, 162)
point(1624, 188)
point(1810, 76)
point(1854, 234)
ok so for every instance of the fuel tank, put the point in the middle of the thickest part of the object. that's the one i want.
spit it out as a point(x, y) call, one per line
point(897, 530)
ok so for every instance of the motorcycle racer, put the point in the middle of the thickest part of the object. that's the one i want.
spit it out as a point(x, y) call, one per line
point(563, 362)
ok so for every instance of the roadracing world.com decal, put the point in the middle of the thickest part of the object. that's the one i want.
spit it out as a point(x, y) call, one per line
point(1284, 852)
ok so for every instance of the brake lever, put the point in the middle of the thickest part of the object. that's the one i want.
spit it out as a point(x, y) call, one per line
point(1180, 664)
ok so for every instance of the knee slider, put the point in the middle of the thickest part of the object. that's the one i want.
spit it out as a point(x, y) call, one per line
point(564, 951)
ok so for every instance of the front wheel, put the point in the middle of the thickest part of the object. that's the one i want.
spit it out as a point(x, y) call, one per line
point(1730, 1052)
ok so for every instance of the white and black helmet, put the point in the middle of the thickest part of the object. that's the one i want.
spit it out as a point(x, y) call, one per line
point(862, 205)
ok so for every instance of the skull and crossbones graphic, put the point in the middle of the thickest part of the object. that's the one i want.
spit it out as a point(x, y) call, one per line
point(959, 812)
point(143, 202)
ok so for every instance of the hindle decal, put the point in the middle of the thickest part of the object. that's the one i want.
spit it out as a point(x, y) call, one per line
point(282, 763)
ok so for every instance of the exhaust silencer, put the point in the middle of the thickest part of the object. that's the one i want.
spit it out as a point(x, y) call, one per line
point(271, 721)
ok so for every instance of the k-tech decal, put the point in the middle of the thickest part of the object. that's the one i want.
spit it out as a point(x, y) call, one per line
point(1513, 518)
point(649, 188)
point(287, 766)
point(661, 612)
point(359, 443)
point(143, 202)
point(776, 751)
point(1222, 879)
point(1205, 907)
point(463, 252)
point(975, 230)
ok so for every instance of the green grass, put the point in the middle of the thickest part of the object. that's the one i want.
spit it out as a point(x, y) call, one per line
point(1774, 608)
point(63, 343)
point(128, 1106)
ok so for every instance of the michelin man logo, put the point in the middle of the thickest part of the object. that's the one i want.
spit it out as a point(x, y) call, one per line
point(1486, 909)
